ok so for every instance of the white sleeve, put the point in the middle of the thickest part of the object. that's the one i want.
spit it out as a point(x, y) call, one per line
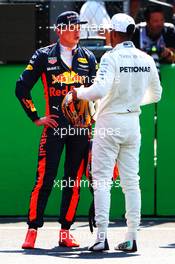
point(102, 83)
point(154, 91)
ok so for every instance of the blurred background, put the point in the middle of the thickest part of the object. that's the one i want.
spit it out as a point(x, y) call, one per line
point(28, 25)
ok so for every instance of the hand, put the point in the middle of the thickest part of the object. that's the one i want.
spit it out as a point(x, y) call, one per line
point(167, 53)
point(74, 94)
point(47, 121)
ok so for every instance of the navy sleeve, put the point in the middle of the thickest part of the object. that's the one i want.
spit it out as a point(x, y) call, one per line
point(92, 66)
point(26, 82)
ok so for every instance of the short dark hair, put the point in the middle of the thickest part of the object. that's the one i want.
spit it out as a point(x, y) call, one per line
point(130, 31)
point(152, 9)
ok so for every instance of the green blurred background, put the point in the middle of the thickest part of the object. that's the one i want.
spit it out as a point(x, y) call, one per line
point(19, 147)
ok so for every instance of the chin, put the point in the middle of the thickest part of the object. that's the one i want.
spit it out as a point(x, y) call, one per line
point(76, 42)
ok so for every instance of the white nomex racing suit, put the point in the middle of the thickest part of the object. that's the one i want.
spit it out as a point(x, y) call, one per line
point(127, 78)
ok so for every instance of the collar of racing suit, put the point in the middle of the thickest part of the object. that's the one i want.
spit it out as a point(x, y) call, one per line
point(75, 49)
point(67, 49)
point(77, 52)
point(67, 54)
point(125, 44)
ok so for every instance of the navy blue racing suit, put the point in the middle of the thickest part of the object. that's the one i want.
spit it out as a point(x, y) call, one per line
point(57, 79)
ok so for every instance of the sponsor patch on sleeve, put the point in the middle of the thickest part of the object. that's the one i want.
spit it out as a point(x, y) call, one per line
point(29, 67)
point(82, 60)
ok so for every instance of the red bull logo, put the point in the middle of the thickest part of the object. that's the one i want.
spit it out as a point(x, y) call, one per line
point(57, 92)
point(68, 78)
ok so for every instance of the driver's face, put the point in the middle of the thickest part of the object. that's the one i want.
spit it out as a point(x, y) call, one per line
point(70, 34)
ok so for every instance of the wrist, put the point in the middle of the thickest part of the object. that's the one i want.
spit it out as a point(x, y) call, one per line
point(36, 120)
point(34, 116)
point(74, 94)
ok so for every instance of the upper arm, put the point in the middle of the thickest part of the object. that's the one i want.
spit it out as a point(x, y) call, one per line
point(33, 70)
point(106, 72)
point(154, 73)
point(155, 82)
point(103, 82)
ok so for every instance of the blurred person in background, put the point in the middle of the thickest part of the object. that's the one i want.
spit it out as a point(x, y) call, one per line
point(134, 8)
point(98, 20)
point(156, 37)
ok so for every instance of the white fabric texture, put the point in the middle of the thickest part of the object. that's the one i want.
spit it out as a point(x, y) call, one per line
point(126, 79)
point(122, 90)
point(122, 144)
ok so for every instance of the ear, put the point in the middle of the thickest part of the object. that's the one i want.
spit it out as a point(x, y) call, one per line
point(112, 34)
point(57, 30)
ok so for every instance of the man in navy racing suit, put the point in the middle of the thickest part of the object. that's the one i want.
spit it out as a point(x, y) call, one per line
point(62, 67)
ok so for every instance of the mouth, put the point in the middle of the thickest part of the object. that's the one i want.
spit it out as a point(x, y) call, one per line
point(77, 38)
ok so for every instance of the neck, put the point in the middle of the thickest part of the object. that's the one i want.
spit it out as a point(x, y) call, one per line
point(67, 45)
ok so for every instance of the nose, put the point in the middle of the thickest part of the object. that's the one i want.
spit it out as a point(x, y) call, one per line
point(77, 33)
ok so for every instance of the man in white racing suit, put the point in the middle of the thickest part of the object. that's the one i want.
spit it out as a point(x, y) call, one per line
point(127, 78)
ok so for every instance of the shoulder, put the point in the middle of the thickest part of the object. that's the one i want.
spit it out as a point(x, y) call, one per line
point(46, 50)
point(86, 51)
point(89, 54)
point(140, 25)
point(146, 57)
point(42, 54)
point(169, 28)
point(143, 54)
point(108, 58)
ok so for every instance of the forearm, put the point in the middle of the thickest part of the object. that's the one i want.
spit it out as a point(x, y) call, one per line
point(152, 95)
point(91, 93)
point(154, 91)
point(24, 96)
point(102, 83)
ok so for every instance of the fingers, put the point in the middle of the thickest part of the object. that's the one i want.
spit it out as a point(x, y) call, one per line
point(52, 123)
point(74, 94)
point(166, 53)
point(48, 121)
point(51, 116)
point(49, 124)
